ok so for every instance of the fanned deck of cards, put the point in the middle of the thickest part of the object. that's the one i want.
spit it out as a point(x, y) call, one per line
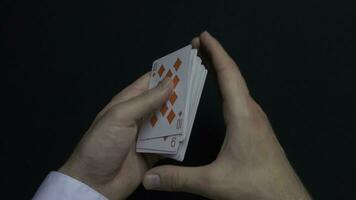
point(167, 131)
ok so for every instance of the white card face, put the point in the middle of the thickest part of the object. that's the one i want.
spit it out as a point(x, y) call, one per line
point(169, 119)
point(167, 144)
point(167, 130)
point(184, 144)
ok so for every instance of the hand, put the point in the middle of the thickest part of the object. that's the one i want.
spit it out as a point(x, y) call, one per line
point(105, 158)
point(251, 163)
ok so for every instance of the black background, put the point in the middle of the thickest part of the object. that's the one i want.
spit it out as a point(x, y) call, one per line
point(63, 61)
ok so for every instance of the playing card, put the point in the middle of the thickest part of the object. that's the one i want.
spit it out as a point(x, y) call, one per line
point(167, 130)
point(168, 120)
point(166, 144)
point(184, 144)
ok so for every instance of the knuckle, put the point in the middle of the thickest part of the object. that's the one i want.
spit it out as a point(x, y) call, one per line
point(177, 182)
point(118, 97)
point(152, 95)
point(149, 97)
point(227, 65)
point(118, 117)
point(254, 114)
point(115, 111)
point(230, 61)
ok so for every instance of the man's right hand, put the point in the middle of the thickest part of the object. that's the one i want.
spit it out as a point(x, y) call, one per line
point(251, 163)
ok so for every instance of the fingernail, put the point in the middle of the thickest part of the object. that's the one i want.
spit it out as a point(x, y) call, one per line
point(165, 83)
point(151, 181)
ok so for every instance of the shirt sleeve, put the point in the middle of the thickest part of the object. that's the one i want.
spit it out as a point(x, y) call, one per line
point(58, 186)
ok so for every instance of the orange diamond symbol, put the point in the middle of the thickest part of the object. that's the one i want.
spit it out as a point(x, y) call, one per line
point(153, 120)
point(170, 116)
point(161, 70)
point(177, 64)
point(163, 109)
point(175, 80)
point(173, 98)
point(169, 74)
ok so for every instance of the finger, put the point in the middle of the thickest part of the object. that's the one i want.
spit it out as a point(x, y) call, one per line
point(175, 178)
point(232, 85)
point(205, 59)
point(134, 109)
point(195, 43)
point(136, 88)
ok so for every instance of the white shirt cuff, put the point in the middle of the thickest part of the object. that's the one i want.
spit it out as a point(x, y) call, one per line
point(58, 186)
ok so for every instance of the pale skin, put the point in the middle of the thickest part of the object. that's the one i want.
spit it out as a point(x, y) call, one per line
point(250, 165)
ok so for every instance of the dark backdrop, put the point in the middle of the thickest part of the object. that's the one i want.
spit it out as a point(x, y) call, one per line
point(63, 61)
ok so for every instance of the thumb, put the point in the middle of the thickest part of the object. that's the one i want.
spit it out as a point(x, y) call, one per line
point(174, 178)
point(147, 102)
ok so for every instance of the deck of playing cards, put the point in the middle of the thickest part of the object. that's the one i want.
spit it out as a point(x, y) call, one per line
point(167, 131)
